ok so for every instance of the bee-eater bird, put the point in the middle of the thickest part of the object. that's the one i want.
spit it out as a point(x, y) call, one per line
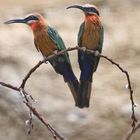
point(48, 41)
point(90, 36)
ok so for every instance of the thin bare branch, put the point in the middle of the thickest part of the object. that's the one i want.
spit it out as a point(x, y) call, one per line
point(54, 133)
point(9, 86)
point(24, 94)
point(39, 116)
point(133, 116)
point(44, 61)
point(132, 132)
point(30, 72)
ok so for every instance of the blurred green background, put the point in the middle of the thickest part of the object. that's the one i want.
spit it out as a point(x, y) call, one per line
point(109, 115)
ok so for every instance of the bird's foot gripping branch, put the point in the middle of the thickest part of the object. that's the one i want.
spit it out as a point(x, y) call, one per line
point(27, 98)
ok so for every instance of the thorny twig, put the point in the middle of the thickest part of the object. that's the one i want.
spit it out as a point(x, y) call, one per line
point(129, 135)
point(35, 112)
point(54, 133)
point(134, 120)
point(39, 116)
point(29, 122)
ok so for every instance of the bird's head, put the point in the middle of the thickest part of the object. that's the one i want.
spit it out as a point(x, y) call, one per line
point(88, 9)
point(33, 20)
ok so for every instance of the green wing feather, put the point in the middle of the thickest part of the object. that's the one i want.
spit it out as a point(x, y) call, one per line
point(58, 41)
point(101, 39)
point(81, 30)
point(99, 47)
point(80, 34)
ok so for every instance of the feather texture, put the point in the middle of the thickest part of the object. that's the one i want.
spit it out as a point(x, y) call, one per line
point(47, 40)
point(90, 36)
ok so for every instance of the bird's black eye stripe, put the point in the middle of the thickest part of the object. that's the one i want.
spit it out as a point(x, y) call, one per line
point(93, 10)
point(31, 18)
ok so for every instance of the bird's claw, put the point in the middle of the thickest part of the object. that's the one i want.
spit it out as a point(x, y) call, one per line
point(83, 49)
point(45, 60)
point(55, 52)
point(96, 53)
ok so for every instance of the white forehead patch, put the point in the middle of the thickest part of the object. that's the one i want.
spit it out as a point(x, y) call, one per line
point(89, 5)
point(32, 14)
point(31, 21)
point(92, 13)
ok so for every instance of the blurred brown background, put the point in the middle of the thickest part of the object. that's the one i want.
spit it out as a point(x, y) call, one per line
point(108, 117)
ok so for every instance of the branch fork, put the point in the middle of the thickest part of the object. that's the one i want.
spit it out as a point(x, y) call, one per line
point(27, 97)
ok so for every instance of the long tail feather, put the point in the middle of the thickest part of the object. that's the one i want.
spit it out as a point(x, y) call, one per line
point(64, 68)
point(73, 85)
point(84, 94)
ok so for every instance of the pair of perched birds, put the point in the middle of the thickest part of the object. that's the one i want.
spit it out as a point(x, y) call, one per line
point(47, 40)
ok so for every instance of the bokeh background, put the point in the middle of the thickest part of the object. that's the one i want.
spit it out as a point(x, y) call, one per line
point(109, 115)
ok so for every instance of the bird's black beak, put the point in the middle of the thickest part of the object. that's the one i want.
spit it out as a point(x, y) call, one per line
point(15, 21)
point(77, 6)
point(86, 9)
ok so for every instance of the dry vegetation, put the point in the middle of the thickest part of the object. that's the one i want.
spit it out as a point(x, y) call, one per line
point(108, 117)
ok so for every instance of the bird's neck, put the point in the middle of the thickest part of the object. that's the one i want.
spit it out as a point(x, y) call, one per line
point(38, 26)
point(92, 20)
